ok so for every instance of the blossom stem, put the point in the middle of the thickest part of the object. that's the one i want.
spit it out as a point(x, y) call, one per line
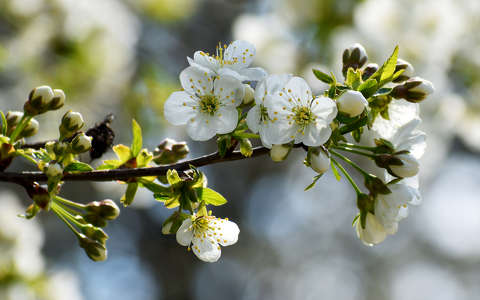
point(349, 178)
point(71, 203)
point(354, 151)
point(59, 213)
point(350, 145)
point(354, 165)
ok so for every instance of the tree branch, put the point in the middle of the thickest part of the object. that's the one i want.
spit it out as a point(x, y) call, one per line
point(125, 174)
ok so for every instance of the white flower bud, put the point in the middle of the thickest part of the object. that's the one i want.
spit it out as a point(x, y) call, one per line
point(53, 170)
point(354, 57)
point(81, 143)
point(58, 100)
point(352, 103)
point(405, 65)
point(373, 233)
point(409, 168)
point(425, 86)
point(31, 129)
point(413, 90)
point(44, 93)
point(319, 160)
point(249, 94)
point(13, 117)
point(280, 152)
point(71, 123)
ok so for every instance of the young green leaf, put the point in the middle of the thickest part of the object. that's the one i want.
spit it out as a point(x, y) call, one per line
point(4, 124)
point(137, 138)
point(129, 196)
point(210, 196)
point(78, 167)
point(389, 67)
point(368, 88)
point(323, 76)
point(335, 172)
point(311, 185)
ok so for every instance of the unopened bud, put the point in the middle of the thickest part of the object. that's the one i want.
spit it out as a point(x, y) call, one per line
point(96, 251)
point(58, 100)
point(249, 94)
point(352, 103)
point(413, 90)
point(71, 123)
point(38, 100)
point(60, 148)
point(13, 118)
point(94, 233)
point(409, 167)
point(280, 152)
point(40, 196)
point(369, 70)
point(30, 130)
point(53, 170)
point(170, 151)
point(318, 160)
point(404, 65)
point(98, 212)
point(354, 57)
point(373, 233)
point(81, 143)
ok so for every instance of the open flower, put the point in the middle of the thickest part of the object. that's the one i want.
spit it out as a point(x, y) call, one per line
point(299, 116)
point(233, 60)
point(207, 106)
point(258, 119)
point(205, 234)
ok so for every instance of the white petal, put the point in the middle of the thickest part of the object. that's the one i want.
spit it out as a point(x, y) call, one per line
point(253, 74)
point(324, 108)
point(226, 232)
point(271, 85)
point(202, 127)
point(316, 134)
point(196, 80)
point(280, 106)
point(253, 119)
point(206, 249)
point(201, 58)
point(227, 71)
point(226, 120)
point(240, 53)
point(178, 108)
point(229, 90)
point(298, 89)
point(184, 233)
point(373, 233)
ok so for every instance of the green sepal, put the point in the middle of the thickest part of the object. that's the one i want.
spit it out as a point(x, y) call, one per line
point(335, 171)
point(30, 212)
point(129, 196)
point(246, 147)
point(376, 186)
point(176, 220)
point(323, 76)
point(368, 88)
point(315, 179)
point(172, 177)
point(354, 78)
point(224, 143)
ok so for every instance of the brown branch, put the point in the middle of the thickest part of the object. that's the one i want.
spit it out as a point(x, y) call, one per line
point(125, 174)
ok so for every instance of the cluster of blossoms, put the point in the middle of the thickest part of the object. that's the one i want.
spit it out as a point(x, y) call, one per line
point(372, 117)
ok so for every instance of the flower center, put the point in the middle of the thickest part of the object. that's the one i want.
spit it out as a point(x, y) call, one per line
point(303, 116)
point(209, 104)
point(200, 225)
point(264, 118)
point(219, 55)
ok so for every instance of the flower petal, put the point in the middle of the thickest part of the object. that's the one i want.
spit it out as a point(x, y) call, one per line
point(185, 233)
point(316, 134)
point(298, 89)
point(226, 232)
point(226, 120)
point(202, 127)
point(204, 60)
point(253, 119)
point(324, 108)
point(270, 85)
point(178, 108)
point(253, 74)
point(206, 249)
point(196, 80)
point(229, 90)
point(240, 54)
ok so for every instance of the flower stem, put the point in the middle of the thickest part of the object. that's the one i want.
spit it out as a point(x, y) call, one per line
point(350, 145)
point(21, 125)
point(58, 211)
point(71, 203)
point(349, 178)
point(354, 151)
point(357, 167)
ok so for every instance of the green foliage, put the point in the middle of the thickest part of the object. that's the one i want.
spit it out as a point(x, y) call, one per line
point(137, 138)
point(78, 167)
point(323, 76)
point(209, 196)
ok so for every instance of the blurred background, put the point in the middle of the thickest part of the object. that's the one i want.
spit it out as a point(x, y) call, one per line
point(124, 57)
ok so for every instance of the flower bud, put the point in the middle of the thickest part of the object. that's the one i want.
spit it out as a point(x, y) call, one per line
point(40, 196)
point(30, 130)
point(404, 65)
point(280, 152)
point(96, 251)
point(413, 90)
point(81, 143)
point(409, 167)
point(94, 233)
point(170, 151)
point(98, 212)
point(373, 233)
point(318, 160)
point(369, 70)
point(354, 57)
point(352, 103)
point(58, 100)
point(249, 94)
point(13, 117)
point(71, 123)
point(60, 148)
point(53, 170)
point(38, 100)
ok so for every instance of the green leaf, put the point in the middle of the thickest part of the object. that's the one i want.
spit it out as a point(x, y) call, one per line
point(155, 187)
point(224, 143)
point(368, 88)
point(315, 179)
point(210, 196)
point(137, 138)
point(4, 124)
point(123, 153)
point(323, 76)
point(172, 177)
point(354, 78)
point(78, 167)
point(389, 67)
point(143, 158)
point(129, 196)
point(335, 172)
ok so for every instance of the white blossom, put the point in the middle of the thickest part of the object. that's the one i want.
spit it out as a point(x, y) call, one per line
point(258, 118)
point(44, 92)
point(205, 234)
point(352, 103)
point(299, 116)
point(280, 152)
point(373, 233)
point(409, 168)
point(319, 161)
point(233, 60)
point(405, 65)
point(207, 106)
